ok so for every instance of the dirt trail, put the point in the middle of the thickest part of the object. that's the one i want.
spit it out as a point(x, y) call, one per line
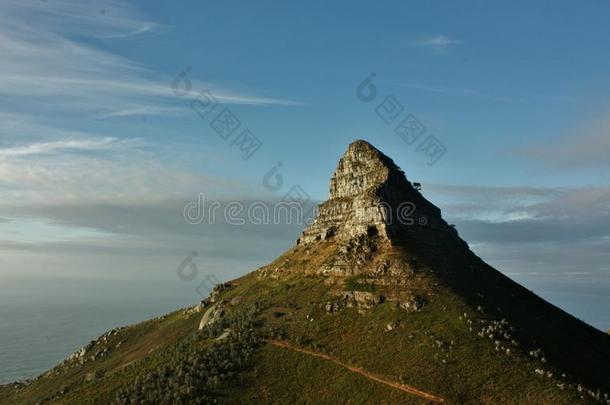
point(403, 387)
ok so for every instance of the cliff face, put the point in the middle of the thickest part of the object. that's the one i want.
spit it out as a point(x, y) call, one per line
point(370, 195)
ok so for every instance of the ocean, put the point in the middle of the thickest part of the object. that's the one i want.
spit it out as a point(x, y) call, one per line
point(42, 321)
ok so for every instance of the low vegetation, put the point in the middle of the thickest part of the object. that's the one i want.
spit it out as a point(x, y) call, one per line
point(196, 374)
point(453, 347)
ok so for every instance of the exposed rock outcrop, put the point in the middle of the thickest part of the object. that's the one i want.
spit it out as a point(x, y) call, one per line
point(362, 300)
point(94, 349)
point(412, 304)
point(370, 195)
point(211, 315)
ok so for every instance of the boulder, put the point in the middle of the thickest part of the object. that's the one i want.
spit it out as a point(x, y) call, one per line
point(361, 299)
point(211, 315)
point(412, 304)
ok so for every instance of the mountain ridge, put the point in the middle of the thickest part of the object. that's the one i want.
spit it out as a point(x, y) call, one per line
point(396, 295)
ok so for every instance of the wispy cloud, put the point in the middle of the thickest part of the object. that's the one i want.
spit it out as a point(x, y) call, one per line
point(96, 170)
point(46, 148)
point(48, 53)
point(147, 110)
point(522, 215)
point(436, 42)
point(51, 158)
point(85, 17)
point(562, 234)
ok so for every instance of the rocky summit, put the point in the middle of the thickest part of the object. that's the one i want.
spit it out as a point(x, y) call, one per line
point(379, 301)
point(369, 194)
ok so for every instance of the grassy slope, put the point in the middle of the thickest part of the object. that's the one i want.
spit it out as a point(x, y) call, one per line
point(468, 371)
point(135, 355)
point(474, 371)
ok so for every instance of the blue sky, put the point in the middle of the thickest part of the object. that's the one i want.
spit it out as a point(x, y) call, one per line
point(98, 153)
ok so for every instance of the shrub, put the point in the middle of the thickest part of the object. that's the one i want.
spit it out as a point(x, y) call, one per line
point(195, 375)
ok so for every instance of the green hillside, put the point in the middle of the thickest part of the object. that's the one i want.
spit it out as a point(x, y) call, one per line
point(432, 349)
point(361, 310)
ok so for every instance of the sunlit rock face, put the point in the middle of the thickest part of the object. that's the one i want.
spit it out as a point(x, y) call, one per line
point(370, 195)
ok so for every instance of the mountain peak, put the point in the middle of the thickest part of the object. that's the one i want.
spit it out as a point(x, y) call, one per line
point(361, 168)
point(361, 310)
point(369, 194)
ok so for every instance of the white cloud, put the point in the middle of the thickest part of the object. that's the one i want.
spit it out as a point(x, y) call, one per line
point(83, 17)
point(45, 148)
point(45, 56)
point(437, 42)
point(120, 175)
point(48, 60)
point(491, 204)
point(147, 110)
point(526, 215)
